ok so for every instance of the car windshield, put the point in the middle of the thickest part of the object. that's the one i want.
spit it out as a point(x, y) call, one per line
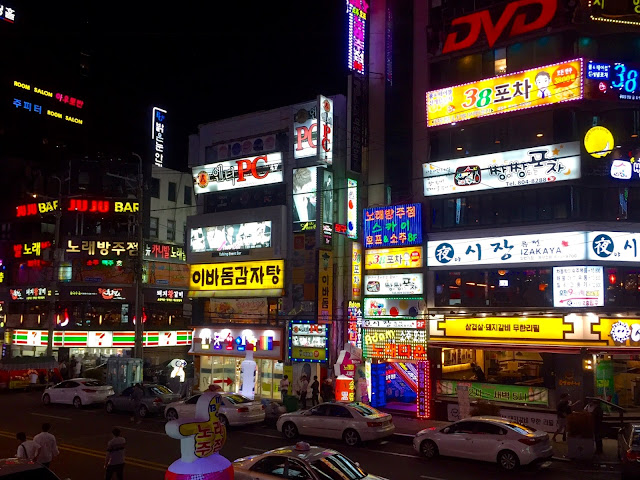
point(93, 383)
point(337, 467)
point(236, 399)
point(160, 390)
point(635, 439)
point(363, 409)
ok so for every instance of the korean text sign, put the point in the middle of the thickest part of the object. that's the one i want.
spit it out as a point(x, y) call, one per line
point(515, 168)
point(357, 37)
point(158, 122)
point(325, 285)
point(395, 343)
point(396, 284)
point(612, 80)
point(536, 87)
point(613, 246)
point(498, 393)
point(267, 274)
point(388, 258)
point(393, 226)
point(578, 286)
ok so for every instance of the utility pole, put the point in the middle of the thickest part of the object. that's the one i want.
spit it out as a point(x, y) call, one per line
point(139, 262)
point(57, 257)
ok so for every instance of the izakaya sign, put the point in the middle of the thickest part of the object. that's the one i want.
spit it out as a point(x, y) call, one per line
point(393, 226)
point(516, 168)
point(536, 87)
point(397, 284)
point(465, 30)
point(242, 173)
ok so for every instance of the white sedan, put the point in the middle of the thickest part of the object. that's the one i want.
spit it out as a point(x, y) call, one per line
point(77, 392)
point(235, 409)
point(353, 422)
point(490, 439)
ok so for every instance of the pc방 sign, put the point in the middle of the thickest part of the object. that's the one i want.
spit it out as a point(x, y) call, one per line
point(232, 174)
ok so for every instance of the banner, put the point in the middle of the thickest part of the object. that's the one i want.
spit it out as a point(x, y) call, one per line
point(497, 393)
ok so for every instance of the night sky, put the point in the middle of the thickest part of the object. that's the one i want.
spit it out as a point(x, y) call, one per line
point(202, 62)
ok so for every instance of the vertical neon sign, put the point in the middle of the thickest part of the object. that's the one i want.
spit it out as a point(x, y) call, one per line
point(157, 134)
point(357, 12)
point(352, 208)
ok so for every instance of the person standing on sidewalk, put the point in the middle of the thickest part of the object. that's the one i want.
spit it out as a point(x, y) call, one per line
point(137, 394)
point(595, 409)
point(315, 390)
point(48, 445)
point(304, 385)
point(284, 387)
point(563, 409)
point(28, 449)
point(114, 462)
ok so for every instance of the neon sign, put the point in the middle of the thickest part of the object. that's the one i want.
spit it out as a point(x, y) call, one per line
point(163, 251)
point(231, 341)
point(36, 208)
point(393, 226)
point(352, 208)
point(157, 134)
point(30, 249)
point(624, 13)
point(478, 21)
point(7, 14)
point(242, 173)
point(61, 97)
point(325, 147)
point(93, 248)
point(613, 80)
point(357, 37)
point(17, 102)
point(102, 206)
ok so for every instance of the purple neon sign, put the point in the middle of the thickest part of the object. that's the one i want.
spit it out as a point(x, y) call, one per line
point(357, 11)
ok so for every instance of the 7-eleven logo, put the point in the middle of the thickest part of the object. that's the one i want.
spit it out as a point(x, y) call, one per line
point(167, 339)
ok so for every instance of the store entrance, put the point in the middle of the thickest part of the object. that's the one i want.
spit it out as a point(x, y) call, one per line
point(394, 385)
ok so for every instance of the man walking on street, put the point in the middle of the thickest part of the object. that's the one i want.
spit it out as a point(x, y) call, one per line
point(315, 390)
point(137, 394)
point(304, 385)
point(114, 463)
point(284, 387)
point(28, 449)
point(48, 445)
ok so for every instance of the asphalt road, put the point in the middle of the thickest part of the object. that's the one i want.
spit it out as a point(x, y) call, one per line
point(83, 435)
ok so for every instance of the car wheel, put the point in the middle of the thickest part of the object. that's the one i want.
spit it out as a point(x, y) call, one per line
point(508, 460)
point(224, 421)
point(143, 411)
point(109, 407)
point(172, 414)
point(46, 399)
point(351, 437)
point(429, 449)
point(289, 430)
point(77, 402)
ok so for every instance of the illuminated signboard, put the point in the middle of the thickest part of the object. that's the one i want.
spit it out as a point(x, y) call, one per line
point(264, 342)
point(164, 252)
point(536, 87)
point(103, 206)
point(612, 80)
point(613, 246)
point(169, 296)
point(578, 286)
point(394, 343)
point(393, 226)
point(620, 12)
point(416, 324)
point(29, 293)
point(158, 117)
point(35, 104)
point(354, 324)
point(625, 169)
point(36, 208)
point(471, 25)
point(33, 249)
point(237, 276)
point(497, 393)
point(239, 236)
point(233, 174)
point(388, 258)
point(108, 294)
point(352, 208)
point(357, 36)
point(305, 198)
point(325, 147)
point(308, 342)
point(101, 339)
point(397, 284)
point(7, 14)
point(393, 307)
point(325, 285)
point(305, 126)
point(245, 147)
point(424, 390)
point(516, 168)
point(356, 271)
point(95, 248)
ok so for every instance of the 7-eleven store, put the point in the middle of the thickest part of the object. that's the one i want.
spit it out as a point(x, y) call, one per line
point(162, 345)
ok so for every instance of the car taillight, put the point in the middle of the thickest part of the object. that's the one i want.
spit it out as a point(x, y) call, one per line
point(528, 441)
point(157, 400)
point(633, 455)
point(243, 410)
point(88, 390)
point(375, 424)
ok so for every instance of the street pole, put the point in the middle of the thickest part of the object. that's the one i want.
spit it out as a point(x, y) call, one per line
point(139, 262)
point(57, 254)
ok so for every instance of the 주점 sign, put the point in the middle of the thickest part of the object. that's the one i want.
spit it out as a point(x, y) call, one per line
point(242, 173)
point(356, 271)
point(497, 393)
point(536, 87)
point(397, 284)
point(578, 286)
point(389, 258)
point(267, 274)
point(516, 168)
point(393, 226)
point(612, 80)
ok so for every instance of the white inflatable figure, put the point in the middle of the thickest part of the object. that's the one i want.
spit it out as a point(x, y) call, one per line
point(248, 375)
point(178, 365)
point(201, 438)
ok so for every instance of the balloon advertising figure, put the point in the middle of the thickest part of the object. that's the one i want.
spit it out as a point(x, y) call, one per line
point(201, 439)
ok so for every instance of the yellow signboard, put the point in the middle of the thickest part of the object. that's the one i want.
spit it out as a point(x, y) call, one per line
point(536, 87)
point(257, 275)
point(388, 258)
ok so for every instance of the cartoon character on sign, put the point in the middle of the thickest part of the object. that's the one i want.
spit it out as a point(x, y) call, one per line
point(201, 439)
point(543, 80)
point(178, 365)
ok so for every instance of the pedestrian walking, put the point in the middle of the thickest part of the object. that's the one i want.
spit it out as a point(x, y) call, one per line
point(33, 380)
point(327, 391)
point(563, 409)
point(72, 366)
point(137, 394)
point(594, 407)
point(304, 386)
point(284, 387)
point(315, 390)
point(114, 462)
point(27, 449)
point(48, 445)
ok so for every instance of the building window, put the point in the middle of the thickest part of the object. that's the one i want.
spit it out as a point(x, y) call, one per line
point(154, 187)
point(171, 229)
point(187, 195)
point(172, 192)
point(153, 227)
point(500, 61)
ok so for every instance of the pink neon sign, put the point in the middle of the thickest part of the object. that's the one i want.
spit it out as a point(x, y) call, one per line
point(357, 11)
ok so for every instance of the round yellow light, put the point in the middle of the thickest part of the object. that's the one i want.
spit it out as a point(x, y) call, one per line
point(599, 142)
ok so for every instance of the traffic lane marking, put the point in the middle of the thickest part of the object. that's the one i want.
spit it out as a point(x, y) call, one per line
point(143, 431)
point(50, 416)
point(261, 435)
point(432, 478)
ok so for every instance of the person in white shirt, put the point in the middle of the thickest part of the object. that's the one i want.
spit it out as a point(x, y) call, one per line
point(114, 463)
point(28, 449)
point(284, 387)
point(48, 445)
point(33, 380)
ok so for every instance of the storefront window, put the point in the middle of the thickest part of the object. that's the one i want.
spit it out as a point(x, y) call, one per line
point(87, 315)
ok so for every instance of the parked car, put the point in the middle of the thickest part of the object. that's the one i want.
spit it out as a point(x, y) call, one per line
point(77, 392)
point(353, 422)
point(235, 409)
point(629, 450)
point(21, 469)
point(154, 400)
point(299, 461)
point(490, 439)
